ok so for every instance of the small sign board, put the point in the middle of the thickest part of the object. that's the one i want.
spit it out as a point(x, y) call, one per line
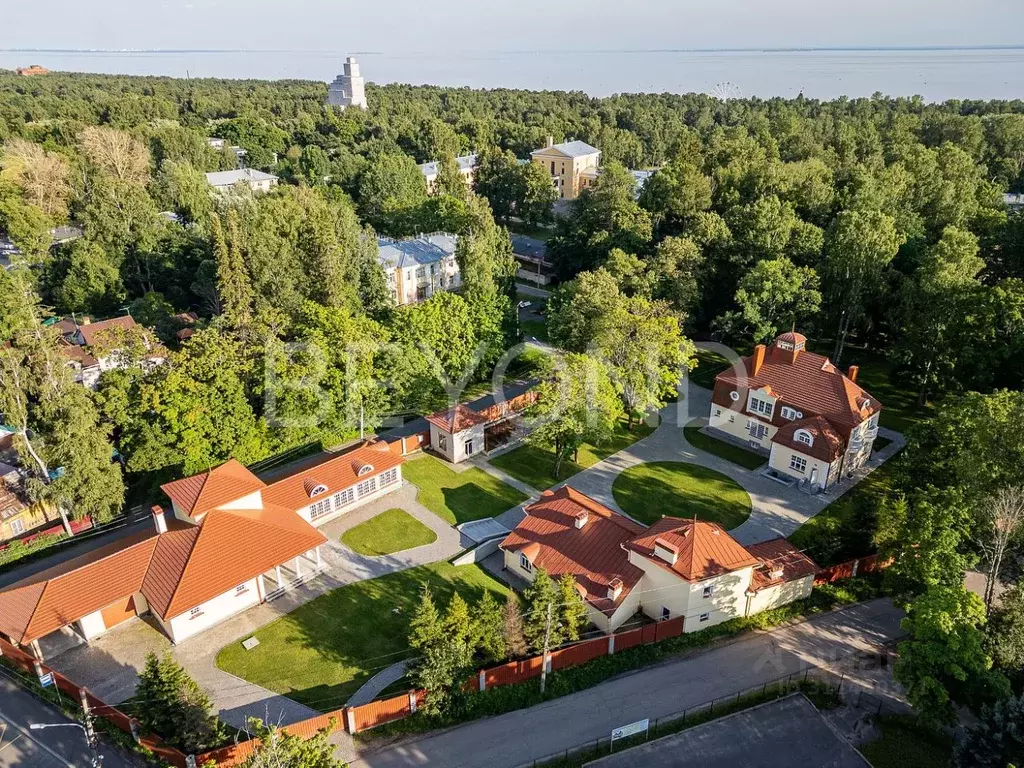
point(251, 643)
point(46, 680)
point(622, 732)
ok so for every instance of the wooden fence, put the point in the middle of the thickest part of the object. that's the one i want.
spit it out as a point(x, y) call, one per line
point(849, 569)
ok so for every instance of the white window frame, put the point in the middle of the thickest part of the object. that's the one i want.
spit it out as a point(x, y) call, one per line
point(704, 617)
point(524, 563)
point(798, 463)
point(17, 526)
point(241, 589)
point(666, 614)
point(791, 413)
point(442, 442)
point(708, 591)
point(760, 406)
point(467, 447)
point(195, 613)
point(368, 486)
point(803, 436)
point(344, 498)
point(388, 477)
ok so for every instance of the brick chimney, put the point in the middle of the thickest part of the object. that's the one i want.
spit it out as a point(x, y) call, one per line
point(159, 519)
point(614, 588)
point(550, 141)
point(757, 359)
point(851, 374)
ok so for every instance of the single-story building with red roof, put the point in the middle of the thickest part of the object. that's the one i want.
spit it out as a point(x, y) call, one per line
point(231, 542)
point(675, 567)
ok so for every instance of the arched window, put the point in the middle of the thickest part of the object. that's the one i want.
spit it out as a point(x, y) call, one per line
point(317, 489)
point(805, 437)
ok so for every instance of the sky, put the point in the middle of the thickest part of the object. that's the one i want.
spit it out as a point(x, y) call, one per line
point(394, 26)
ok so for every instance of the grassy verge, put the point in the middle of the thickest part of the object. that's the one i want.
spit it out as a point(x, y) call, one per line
point(392, 531)
point(497, 701)
point(323, 651)
point(538, 329)
point(457, 497)
point(720, 448)
point(534, 465)
point(648, 491)
point(709, 365)
point(906, 744)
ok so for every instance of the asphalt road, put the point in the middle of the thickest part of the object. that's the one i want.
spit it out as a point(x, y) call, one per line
point(519, 737)
point(21, 747)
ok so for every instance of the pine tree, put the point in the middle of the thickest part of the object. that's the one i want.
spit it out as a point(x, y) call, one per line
point(233, 284)
point(457, 623)
point(488, 633)
point(512, 628)
point(541, 593)
point(176, 708)
point(572, 610)
point(426, 625)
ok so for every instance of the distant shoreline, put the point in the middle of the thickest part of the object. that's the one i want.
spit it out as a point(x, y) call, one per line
point(765, 49)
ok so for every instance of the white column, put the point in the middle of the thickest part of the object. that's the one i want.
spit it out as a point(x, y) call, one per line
point(277, 575)
point(351, 718)
point(319, 562)
point(298, 566)
point(482, 677)
point(611, 644)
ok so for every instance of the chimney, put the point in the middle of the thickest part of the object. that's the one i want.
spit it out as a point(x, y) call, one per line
point(581, 518)
point(551, 141)
point(757, 359)
point(852, 372)
point(614, 588)
point(159, 519)
point(665, 551)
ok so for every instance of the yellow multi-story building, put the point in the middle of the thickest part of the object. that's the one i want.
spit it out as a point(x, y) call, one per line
point(18, 514)
point(572, 165)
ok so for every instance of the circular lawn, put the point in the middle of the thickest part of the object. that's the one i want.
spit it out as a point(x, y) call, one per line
point(675, 488)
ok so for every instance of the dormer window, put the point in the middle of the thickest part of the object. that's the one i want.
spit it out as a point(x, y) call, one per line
point(317, 489)
point(791, 413)
point(365, 470)
point(805, 437)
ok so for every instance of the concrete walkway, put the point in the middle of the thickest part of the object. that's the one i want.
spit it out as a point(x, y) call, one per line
point(776, 509)
point(109, 666)
point(519, 737)
point(371, 688)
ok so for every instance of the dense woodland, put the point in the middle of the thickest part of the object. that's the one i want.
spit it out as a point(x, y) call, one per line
point(876, 226)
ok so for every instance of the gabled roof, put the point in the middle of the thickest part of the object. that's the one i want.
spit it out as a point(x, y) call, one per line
point(457, 419)
point(704, 549)
point(335, 474)
point(78, 356)
point(192, 565)
point(569, 149)
point(464, 163)
point(593, 554)
point(778, 555)
point(50, 599)
point(827, 444)
point(810, 383)
point(90, 331)
point(230, 178)
point(199, 494)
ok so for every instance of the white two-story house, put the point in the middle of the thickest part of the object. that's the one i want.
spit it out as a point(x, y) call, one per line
point(813, 421)
point(418, 268)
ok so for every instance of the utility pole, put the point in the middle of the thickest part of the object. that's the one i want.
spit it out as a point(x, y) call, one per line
point(90, 732)
point(544, 658)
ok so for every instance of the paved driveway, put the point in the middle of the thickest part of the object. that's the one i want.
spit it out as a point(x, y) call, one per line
point(777, 510)
point(109, 665)
point(519, 737)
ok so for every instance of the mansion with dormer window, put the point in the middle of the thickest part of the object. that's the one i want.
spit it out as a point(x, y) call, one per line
point(812, 420)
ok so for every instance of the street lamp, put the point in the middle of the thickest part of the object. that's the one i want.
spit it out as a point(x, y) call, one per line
point(97, 758)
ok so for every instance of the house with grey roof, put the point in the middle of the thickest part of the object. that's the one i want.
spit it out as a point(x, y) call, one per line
point(466, 165)
point(418, 267)
point(257, 181)
point(567, 164)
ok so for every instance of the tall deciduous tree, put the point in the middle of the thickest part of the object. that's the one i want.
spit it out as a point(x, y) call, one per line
point(860, 245)
point(280, 749)
point(774, 295)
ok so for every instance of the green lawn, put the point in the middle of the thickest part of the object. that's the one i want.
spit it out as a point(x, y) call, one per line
point(709, 365)
point(903, 744)
point(320, 653)
point(648, 491)
point(391, 531)
point(533, 464)
point(536, 328)
point(720, 448)
point(459, 496)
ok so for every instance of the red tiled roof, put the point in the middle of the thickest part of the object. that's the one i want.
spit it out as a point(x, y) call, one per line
point(704, 549)
point(457, 419)
point(199, 494)
point(337, 474)
point(91, 330)
point(78, 355)
point(592, 554)
point(810, 384)
point(779, 554)
point(827, 444)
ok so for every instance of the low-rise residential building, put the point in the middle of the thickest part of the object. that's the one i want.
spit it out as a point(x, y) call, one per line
point(462, 431)
point(1014, 201)
point(815, 423)
point(348, 88)
point(257, 181)
point(91, 347)
point(231, 541)
point(466, 165)
point(220, 144)
point(674, 568)
point(419, 267)
point(19, 515)
point(570, 165)
point(32, 71)
point(532, 255)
